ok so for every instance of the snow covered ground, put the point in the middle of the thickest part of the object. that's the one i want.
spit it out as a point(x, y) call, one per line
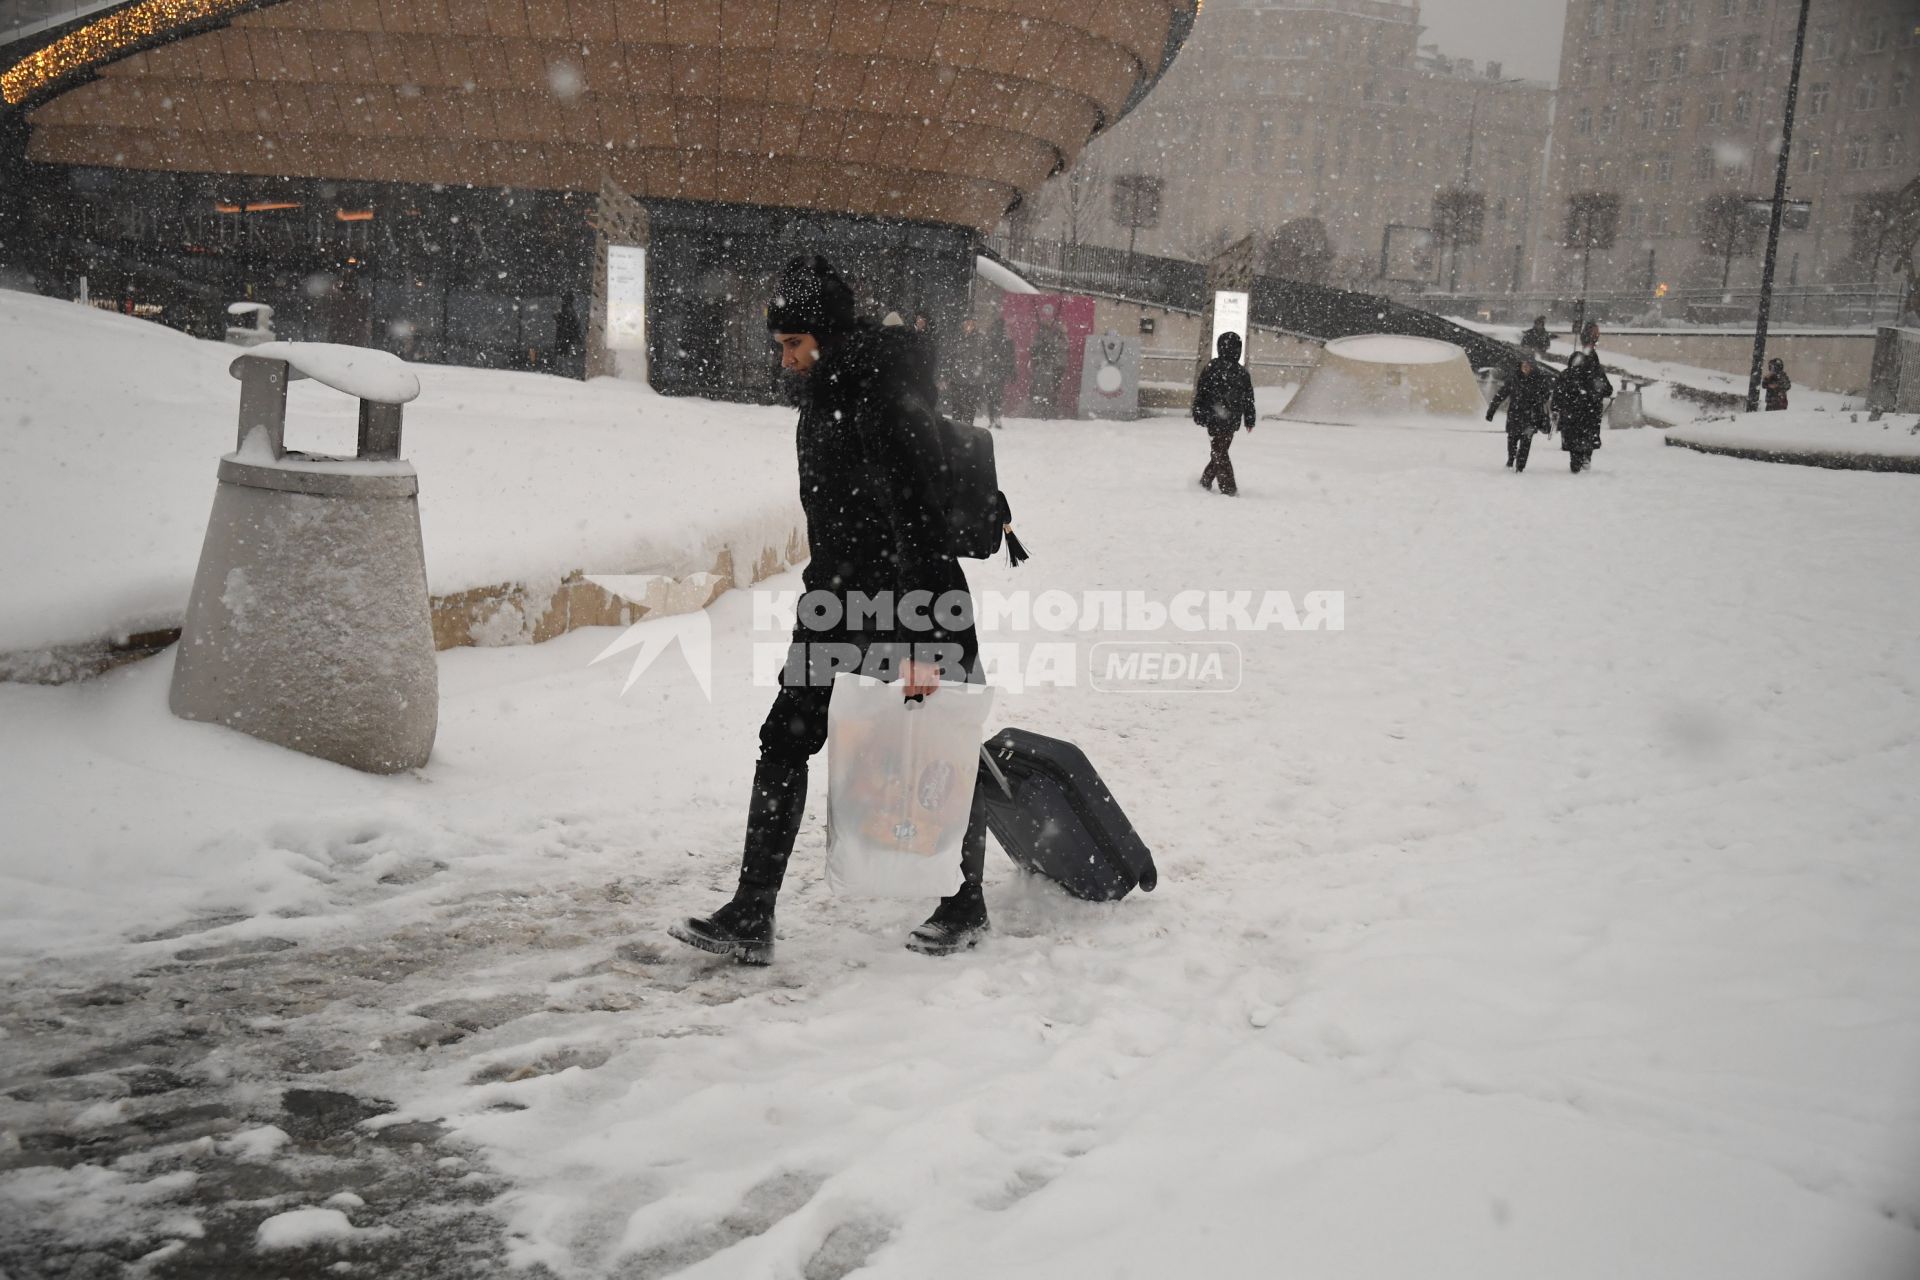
point(1815, 431)
point(1553, 919)
point(523, 478)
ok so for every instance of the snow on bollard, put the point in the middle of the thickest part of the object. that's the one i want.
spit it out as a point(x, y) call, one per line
point(308, 625)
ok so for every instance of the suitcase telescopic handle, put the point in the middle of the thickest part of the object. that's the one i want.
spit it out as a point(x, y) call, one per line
point(986, 758)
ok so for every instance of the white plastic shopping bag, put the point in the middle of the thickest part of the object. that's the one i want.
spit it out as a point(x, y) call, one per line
point(900, 785)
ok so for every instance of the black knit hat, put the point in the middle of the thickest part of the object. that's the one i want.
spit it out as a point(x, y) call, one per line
point(810, 297)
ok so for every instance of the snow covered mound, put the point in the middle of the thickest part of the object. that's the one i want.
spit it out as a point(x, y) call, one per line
point(111, 430)
point(1388, 378)
point(1811, 437)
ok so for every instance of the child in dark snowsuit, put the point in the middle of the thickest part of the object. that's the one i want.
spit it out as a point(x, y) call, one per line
point(1526, 393)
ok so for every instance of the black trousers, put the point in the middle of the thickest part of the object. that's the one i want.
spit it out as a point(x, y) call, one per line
point(796, 728)
point(1219, 465)
point(1579, 459)
point(963, 404)
point(995, 395)
point(1519, 444)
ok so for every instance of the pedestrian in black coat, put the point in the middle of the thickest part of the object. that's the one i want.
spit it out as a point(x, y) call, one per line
point(1526, 393)
point(999, 367)
point(1776, 384)
point(869, 462)
point(1537, 339)
point(1579, 401)
point(1222, 402)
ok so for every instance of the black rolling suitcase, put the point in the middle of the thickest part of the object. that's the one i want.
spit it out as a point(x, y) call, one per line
point(1050, 811)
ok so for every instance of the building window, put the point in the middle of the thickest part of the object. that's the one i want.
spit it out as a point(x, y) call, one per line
point(1878, 40)
point(1663, 170)
point(1583, 122)
point(1646, 117)
point(1609, 119)
point(1717, 55)
point(1817, 96)
point(1597, 17)
point(1902, 89)
point(1683, 13)
point(1713, 112)
point(1622, 14)
point(1749, 53)
point(1890, 149)
point(1636, 219)
point(1654, 63)
point(1856, 153)
point(1728, 7)
point(1677, 61)
point(1756, 6)
point(1657, 13)
point(1866, 95)
point(1821, 44)
point(1703, 163)
point(1618, 72)
point(1659, 227)
point(1742, 107)
point(1670, 118)
point(1810, 158)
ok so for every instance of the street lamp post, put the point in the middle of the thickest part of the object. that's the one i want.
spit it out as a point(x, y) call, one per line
point(1773, 220)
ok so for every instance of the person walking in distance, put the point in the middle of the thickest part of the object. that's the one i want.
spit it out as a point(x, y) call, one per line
point(1580, 401)
point(1525, 393)
point(1776, 384)
point(966, 371)
point(869, 456)
point(997, 369)
point(1537, 340)
point(1222, 402)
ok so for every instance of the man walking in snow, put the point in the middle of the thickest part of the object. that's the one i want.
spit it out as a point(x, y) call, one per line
point(1526, 393)
point(869, 456)
point(1222, 401)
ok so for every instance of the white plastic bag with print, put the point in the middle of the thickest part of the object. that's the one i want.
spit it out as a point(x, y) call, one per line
point(900, 785)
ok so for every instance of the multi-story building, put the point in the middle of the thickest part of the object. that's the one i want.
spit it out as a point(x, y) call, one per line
point(1331, 109)
point(1670, 103)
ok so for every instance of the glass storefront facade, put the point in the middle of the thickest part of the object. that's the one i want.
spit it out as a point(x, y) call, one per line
point(467, 276)
point(447, 275)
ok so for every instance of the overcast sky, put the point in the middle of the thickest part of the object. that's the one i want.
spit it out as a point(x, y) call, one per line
point(1524, 35)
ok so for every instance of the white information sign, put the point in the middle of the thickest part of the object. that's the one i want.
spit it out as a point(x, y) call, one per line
point(626, 297)
point(1230, 316)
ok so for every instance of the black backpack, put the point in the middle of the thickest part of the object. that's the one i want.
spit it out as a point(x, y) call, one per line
point(979, 519)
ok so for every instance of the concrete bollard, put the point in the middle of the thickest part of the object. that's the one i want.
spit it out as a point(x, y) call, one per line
point(1624, 409)
point(309, 623)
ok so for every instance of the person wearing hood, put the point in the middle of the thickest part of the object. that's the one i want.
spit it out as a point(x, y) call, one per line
point(1222, 402)
point(1580, 396)
point(1526, 393)
point(869, 456)
point(1776, 384)
point(1537, 339)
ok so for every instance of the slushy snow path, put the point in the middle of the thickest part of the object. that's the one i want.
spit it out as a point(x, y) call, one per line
point(1553, 919)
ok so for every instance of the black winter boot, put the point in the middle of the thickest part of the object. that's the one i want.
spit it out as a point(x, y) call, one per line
point(743, 928)
point(959, 922)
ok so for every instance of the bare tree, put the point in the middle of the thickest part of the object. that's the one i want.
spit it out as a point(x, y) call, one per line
point(1079, 193)
point(1300, 250)
point(1727, 231)
point(1593, 222)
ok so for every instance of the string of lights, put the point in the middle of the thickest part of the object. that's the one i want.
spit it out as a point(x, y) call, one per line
point(119, 33)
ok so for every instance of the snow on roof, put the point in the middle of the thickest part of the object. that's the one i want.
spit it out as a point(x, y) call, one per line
point(247, 308)
point(1000, 276)
point(358, 371)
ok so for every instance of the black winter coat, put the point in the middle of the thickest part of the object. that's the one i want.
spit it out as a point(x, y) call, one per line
point(1529, 394)
point(1579, 399)
point(1536, 339)
point(870, 467)
point(1223, 398)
